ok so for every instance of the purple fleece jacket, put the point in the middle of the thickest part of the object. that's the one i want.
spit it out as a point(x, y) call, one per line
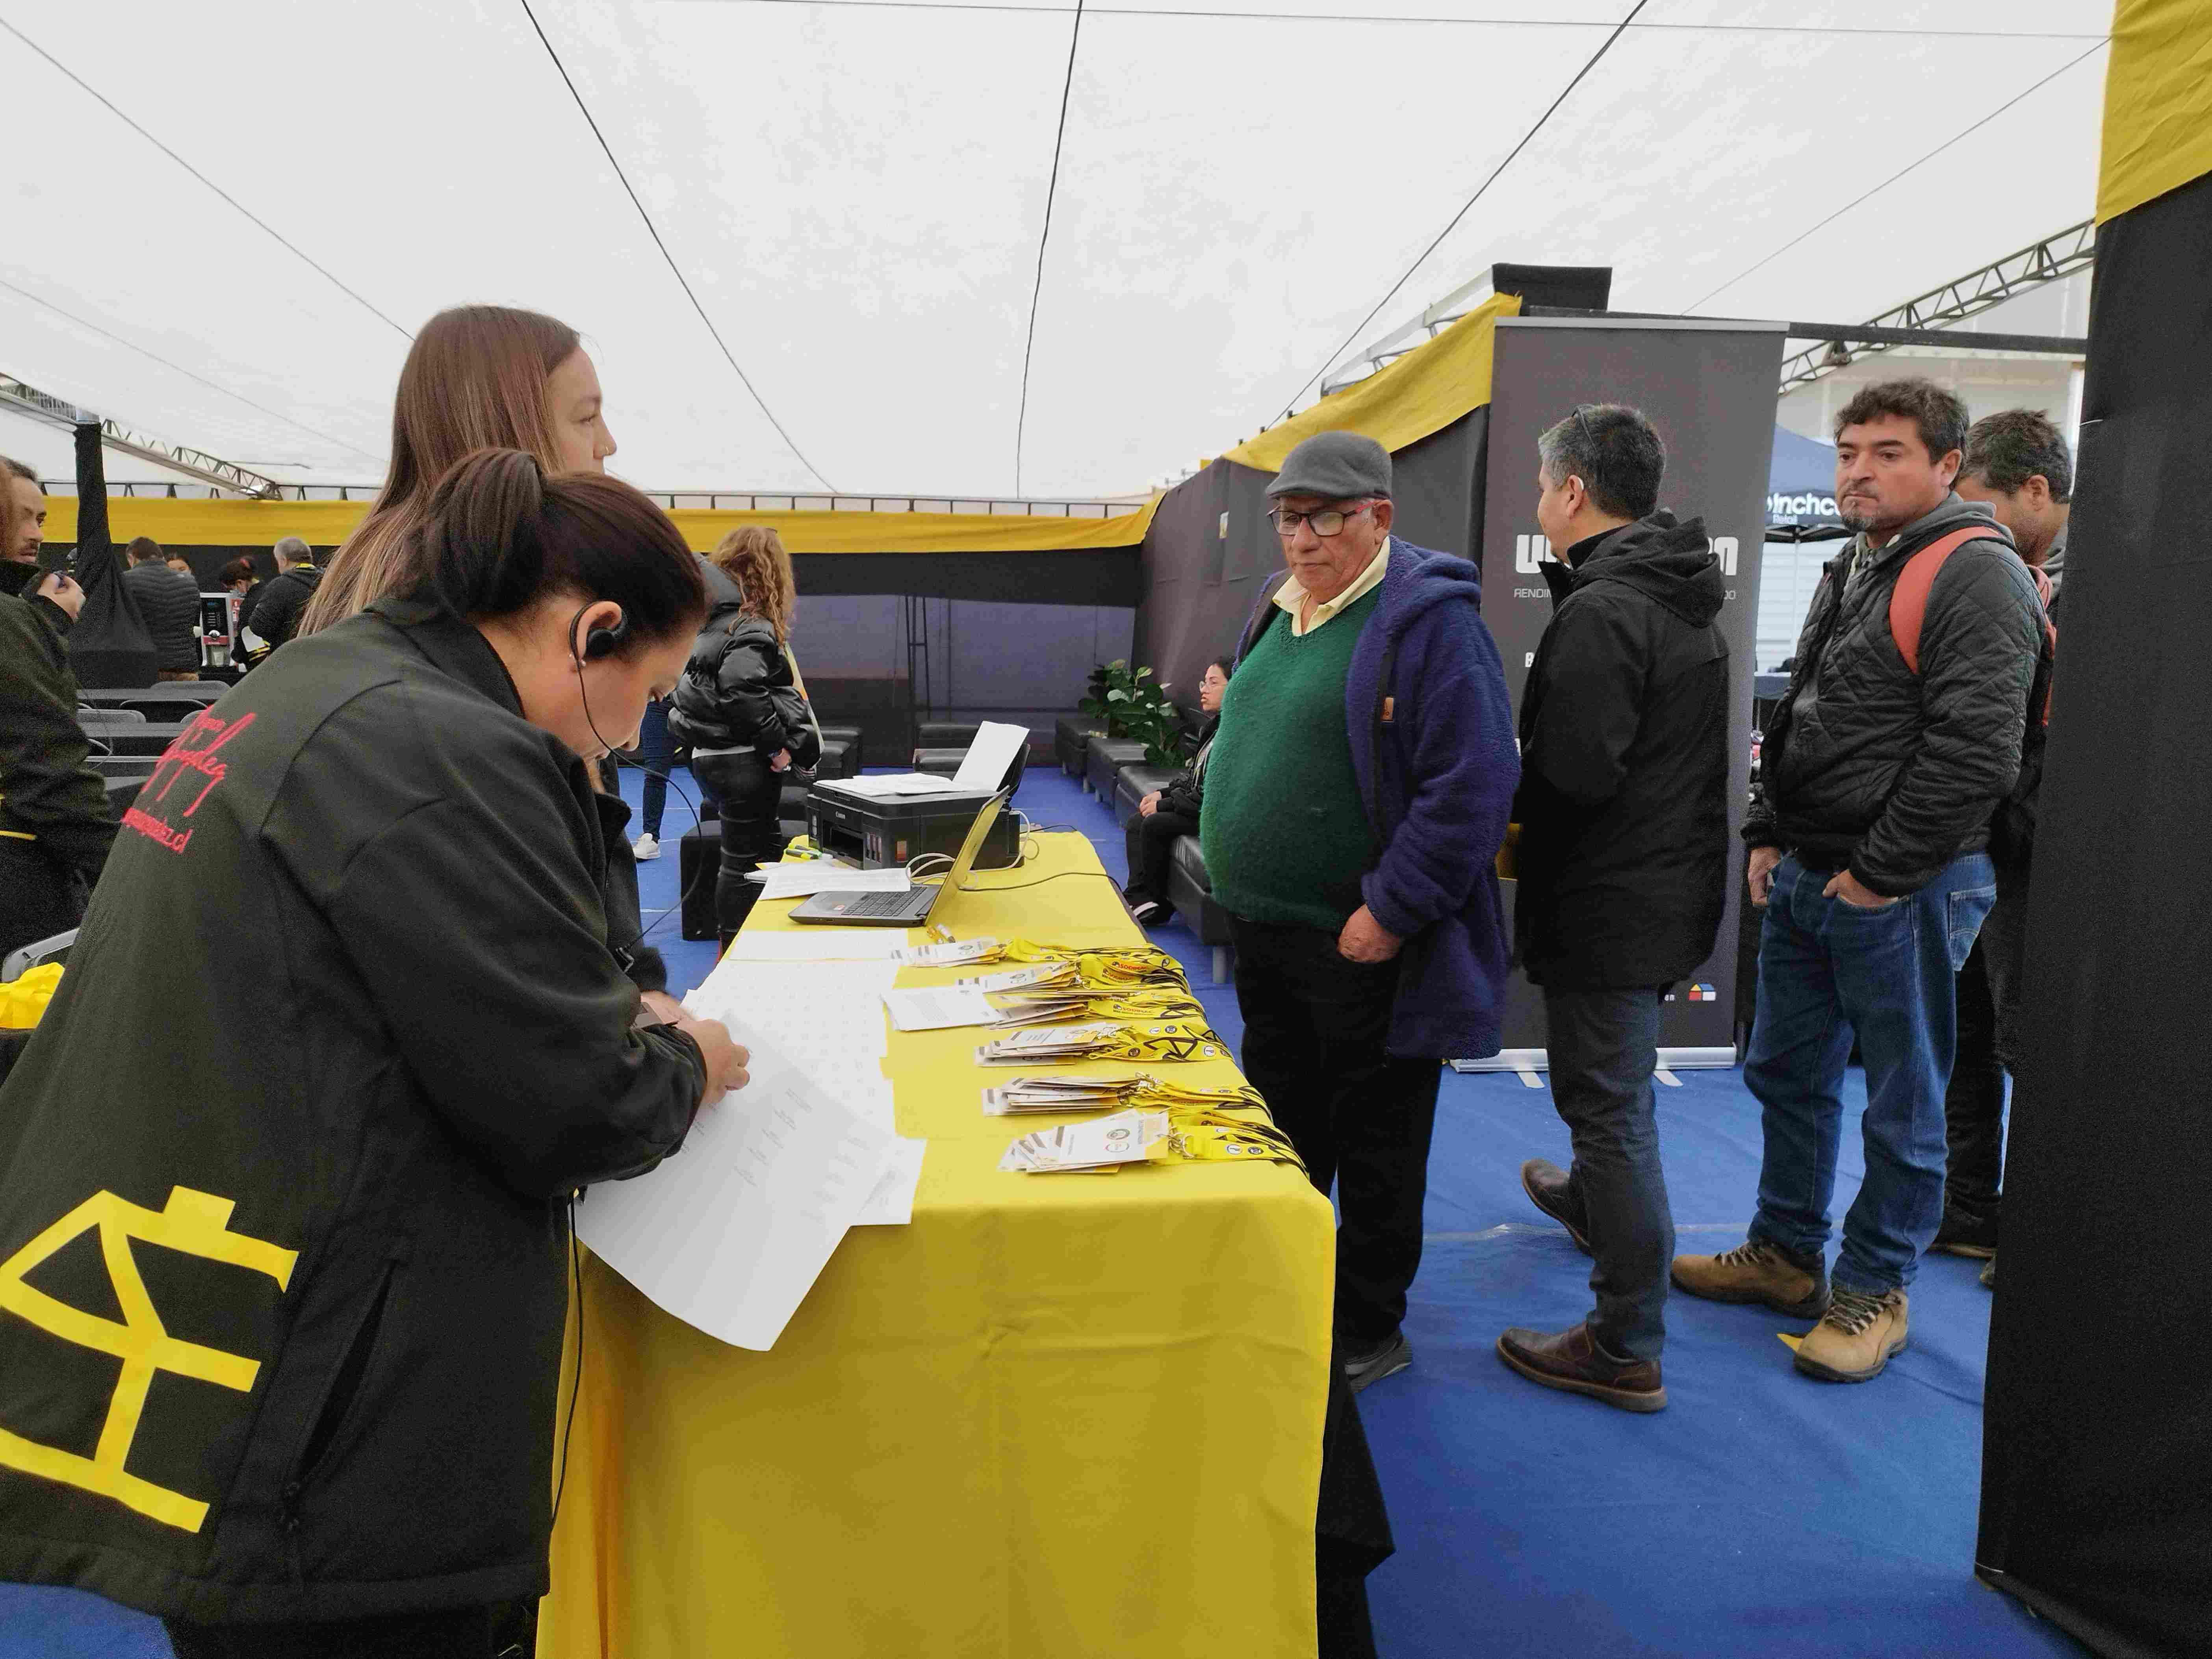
point(1432, 730)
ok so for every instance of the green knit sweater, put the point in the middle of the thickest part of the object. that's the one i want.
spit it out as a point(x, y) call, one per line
point(1284, 832)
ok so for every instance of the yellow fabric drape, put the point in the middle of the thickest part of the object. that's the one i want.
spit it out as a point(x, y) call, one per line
point(1402, 402)
point(1055, 1415)
point(325, 524)
point(2158, 102)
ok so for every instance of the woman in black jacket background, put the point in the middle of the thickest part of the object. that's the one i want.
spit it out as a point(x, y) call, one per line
point(1171, 811)
point(742, 707)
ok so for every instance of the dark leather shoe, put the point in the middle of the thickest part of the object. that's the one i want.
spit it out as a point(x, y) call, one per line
point(1550, 1189)
point(1572, 1361)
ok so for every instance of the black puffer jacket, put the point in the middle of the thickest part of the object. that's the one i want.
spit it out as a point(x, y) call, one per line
point(738, 691)
point(1865, 764)
point(1623, 804)
point(275, 614)
point(170, 603)
point(47, 792)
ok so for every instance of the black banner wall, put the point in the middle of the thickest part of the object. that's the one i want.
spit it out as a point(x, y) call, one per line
point(2097, 1437)
point(1709, 388)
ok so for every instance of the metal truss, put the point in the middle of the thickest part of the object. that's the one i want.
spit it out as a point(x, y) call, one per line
point(197, 464)
point(758, 501)
point(2072, 249)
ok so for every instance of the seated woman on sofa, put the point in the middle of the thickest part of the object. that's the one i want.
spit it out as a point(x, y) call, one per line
point(1171, 811)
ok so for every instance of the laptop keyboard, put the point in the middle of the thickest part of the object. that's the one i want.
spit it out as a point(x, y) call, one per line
point(878, 904)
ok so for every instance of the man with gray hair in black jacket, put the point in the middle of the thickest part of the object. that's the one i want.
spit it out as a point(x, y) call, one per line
point(1900, 736)
point(1623, 809)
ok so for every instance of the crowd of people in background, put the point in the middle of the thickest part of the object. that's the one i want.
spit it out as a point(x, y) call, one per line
point(431, 711)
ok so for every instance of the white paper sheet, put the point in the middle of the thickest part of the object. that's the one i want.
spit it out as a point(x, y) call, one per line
point(878, 786)
point(891, 1203)
point(938, 1008)
point(801, 880)
point(826, 1017)
point(988, 757)
point(730, 1233)
point(818, 945)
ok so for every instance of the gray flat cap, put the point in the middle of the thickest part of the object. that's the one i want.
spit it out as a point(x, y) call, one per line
point(1335, 465)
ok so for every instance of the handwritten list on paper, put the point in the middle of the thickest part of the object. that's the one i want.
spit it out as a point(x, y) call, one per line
point(730, 1233)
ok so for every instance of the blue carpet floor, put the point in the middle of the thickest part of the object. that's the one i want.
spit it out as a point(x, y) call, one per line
point(1761, 1516)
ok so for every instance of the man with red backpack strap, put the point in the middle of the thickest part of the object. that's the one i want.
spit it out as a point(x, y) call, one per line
point(1879, 773)
point(2018, 465)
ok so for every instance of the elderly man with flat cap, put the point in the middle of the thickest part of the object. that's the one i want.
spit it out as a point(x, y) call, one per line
point(1357, 796)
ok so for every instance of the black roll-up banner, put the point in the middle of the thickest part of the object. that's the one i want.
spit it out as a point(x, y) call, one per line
point(1710, 389)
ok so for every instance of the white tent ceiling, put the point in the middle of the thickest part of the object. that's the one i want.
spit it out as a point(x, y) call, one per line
point(856, 191)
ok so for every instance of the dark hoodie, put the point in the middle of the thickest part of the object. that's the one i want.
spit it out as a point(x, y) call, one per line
point(1430, 725)
point(1623, 805)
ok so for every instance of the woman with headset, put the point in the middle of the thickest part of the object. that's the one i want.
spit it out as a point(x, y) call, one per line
point(329, 1246)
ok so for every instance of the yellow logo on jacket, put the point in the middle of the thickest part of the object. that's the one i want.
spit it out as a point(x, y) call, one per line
point(195, 1223)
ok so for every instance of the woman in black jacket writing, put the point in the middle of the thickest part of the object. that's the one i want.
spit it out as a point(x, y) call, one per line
point(294, 1393)
point(742, 707)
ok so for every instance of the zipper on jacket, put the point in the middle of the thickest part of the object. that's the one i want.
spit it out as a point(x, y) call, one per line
point(350, 1371)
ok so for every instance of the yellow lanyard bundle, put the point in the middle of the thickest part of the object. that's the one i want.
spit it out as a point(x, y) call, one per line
point(1176, 1041)
point(1108, 969)
point(1205, 1136)
point(1049, 1006)
point(1066, 1091)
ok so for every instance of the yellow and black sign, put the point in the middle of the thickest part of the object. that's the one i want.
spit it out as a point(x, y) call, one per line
point(194, 1222)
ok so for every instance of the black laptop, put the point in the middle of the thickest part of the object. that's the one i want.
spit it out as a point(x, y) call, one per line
point(919, 903)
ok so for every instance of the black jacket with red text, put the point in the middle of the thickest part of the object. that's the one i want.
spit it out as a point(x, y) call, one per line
point(282, 1246)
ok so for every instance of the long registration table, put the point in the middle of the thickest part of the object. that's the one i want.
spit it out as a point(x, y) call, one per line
point(1056, 1415)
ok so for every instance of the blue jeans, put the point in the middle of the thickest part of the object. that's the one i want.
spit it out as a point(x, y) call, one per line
point(1826, 968)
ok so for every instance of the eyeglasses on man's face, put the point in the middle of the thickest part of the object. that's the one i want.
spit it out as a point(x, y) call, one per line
point(1324, 521)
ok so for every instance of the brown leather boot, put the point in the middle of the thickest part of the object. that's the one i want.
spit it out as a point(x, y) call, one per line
point(1756, 1270)
point(1855, 1337)
point(1573, 1361)
point(1551, 1189)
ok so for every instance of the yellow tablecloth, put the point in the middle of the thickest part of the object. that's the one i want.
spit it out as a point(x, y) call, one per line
point(1057, 1415)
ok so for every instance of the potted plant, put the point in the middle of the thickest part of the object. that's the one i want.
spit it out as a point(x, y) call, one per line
point(1134, 707)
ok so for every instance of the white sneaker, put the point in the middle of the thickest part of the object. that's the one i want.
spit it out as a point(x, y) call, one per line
point(644, 848)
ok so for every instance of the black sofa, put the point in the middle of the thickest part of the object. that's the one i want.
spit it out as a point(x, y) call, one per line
point(1190, 891)
point(1071, 741)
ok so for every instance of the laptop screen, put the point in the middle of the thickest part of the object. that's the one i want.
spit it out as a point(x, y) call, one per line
point(965, 860)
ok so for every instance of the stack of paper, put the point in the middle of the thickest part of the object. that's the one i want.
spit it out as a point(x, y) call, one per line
point(816, 945)
point(1049, 1005)
point(1047, 1042)
point(946, 953)
point(1049, 1093)
point(1016, 979)
point(1178, 1040)
point(936, 1008)
point(803, 878)
point(991, 757)
point(879, 786)
point(730, 1233)
point(826, 1019)
point(1125, 1138)
point(1067, 1091)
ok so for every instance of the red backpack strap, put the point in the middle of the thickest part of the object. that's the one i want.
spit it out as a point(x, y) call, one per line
point(1908, 600)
